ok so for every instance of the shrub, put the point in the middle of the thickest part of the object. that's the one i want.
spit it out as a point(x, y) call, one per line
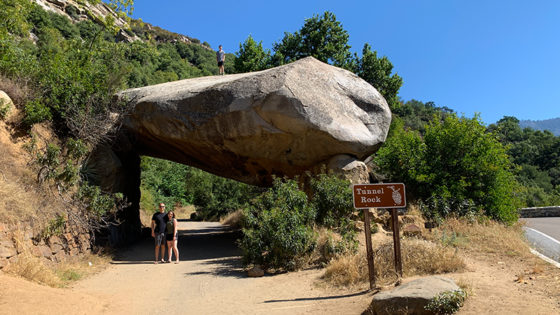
point(456, 160)
point(63, 25)
point(277, 232)
point(332, 200)
point(447, 302)
point(35, 112)
point(4, 109)
point(72, 11)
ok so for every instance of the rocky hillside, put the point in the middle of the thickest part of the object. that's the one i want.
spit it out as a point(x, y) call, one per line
point(130, 30)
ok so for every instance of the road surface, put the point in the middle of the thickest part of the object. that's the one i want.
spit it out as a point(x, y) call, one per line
point(549, 225)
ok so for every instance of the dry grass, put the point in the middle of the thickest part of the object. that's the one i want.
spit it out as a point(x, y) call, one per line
point(439, 253)
point(183, 212)
point(33, 269)
point(57, 275)
point(419, 257)
point(488, 237)
point(18, 91)
point(233, 219)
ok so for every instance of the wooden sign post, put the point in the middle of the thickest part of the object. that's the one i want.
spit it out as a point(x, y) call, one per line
point(390, 196)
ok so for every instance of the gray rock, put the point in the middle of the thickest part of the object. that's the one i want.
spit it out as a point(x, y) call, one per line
point(256, 271)
point(7, 249)
point(5, 101)
point(248, 127)
point(412, 297)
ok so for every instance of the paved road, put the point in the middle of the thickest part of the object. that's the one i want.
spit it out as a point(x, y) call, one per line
point(549, 226)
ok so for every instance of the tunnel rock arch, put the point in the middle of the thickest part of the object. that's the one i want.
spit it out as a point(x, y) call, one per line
point(248, 127)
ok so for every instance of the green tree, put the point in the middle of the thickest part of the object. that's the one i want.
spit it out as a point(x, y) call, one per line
point(322, 37)
point(377, 72)
point(251, 56)
point(458, 165)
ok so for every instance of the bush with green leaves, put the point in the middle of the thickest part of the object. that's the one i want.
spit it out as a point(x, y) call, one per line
point(334, 209)
point(277, 230)
point(448, 302)
point(4, 109)
point(456, 161)
point(332, 199)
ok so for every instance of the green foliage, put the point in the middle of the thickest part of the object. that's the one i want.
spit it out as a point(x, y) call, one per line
point(416, 115)
point(4, 109)
point(54, 227)
point(537, 155)
point(97, 203)
point(36, 112)
point(377, 72)
point(164, 181)
point(216, 196)
point(279, 223)
point(332, 200)
point(458, 166)
point(12, 17)
point(277, 231)
point(448, 302)
point(251, 56)
point(173, 183)
point(63, 25)
point(321, 36)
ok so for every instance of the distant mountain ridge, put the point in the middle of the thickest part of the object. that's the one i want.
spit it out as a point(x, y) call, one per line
point(552, 125)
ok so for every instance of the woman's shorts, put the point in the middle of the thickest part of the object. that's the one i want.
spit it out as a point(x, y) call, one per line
point(169, 237)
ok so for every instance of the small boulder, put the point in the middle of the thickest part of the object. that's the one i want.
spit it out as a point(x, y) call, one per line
point(412, 230)
point(256, 271)
point(410, 298)
point(7, 249)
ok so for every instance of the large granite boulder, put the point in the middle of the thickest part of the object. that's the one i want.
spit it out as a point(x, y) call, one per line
point(248, 127)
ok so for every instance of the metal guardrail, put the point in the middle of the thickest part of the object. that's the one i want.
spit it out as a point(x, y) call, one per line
point(538, 212)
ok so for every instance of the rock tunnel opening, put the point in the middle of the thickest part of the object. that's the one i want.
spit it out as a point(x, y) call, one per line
point(248, 127)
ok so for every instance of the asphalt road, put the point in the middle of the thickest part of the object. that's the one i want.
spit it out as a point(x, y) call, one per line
point(549, 225)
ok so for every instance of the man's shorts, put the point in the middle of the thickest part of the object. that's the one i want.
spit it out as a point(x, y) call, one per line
point(220, 63)
point(160, 239)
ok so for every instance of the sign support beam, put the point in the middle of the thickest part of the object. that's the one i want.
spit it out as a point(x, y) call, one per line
point(396, 241)
point(369, 249)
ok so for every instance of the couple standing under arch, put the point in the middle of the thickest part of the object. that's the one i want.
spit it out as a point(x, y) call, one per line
point(164, 230)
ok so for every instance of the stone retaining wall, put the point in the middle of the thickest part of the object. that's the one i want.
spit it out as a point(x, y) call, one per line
point(18, 239)
point(537, 212)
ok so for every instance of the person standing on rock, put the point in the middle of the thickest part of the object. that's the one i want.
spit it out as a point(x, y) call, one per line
point(221, 58)
point(159, 221)
point(171, 237)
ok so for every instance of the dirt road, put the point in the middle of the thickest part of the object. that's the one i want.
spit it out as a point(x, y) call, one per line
point(210, 280)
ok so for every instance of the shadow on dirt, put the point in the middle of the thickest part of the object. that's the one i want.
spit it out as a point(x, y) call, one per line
point(203, 241)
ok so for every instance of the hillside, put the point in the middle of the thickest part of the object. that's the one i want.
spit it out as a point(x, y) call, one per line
point(552, 125)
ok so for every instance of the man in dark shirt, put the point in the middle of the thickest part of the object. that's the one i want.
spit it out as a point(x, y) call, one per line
point(159, 220)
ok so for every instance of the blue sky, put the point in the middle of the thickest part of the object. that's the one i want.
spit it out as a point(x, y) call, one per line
point(495, 58)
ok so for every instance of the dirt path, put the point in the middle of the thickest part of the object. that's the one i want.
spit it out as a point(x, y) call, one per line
point(210, 280)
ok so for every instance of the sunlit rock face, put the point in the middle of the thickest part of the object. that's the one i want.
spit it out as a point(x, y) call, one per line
point(248, 127)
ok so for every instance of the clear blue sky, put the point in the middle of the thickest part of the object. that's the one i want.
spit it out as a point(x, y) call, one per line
point(495, 57)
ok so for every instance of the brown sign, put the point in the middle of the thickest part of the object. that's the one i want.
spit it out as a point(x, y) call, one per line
point(379, 195)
